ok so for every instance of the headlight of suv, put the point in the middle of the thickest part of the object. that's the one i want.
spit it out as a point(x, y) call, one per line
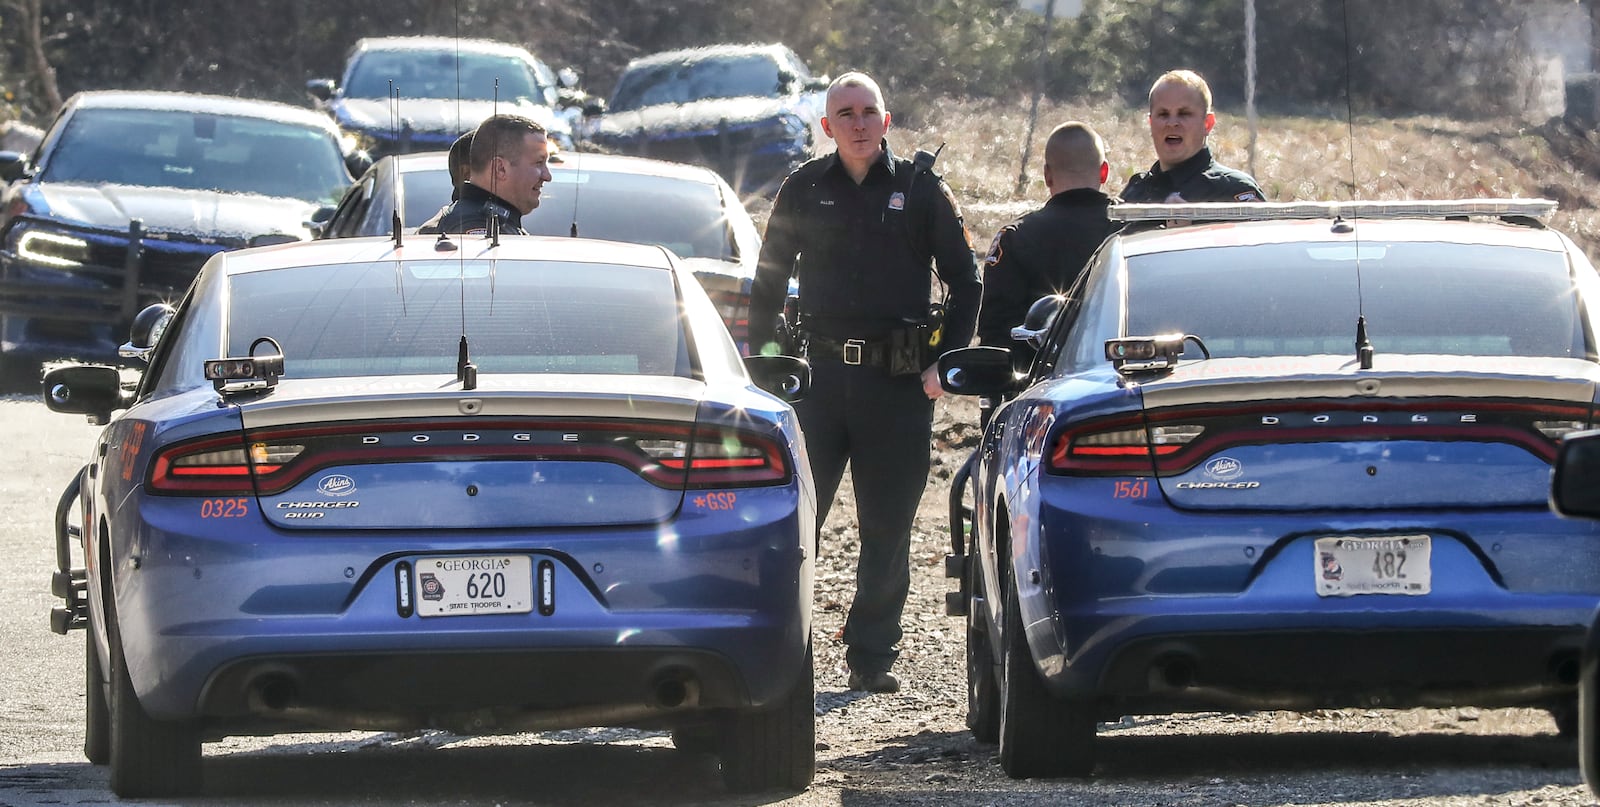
point(48, 248)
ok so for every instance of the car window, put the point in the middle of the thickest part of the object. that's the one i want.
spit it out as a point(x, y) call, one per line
point(682, 215)
point(425, 193)
point(386, 318)
point(688, 80)
point(198, 151)
point(433, 74)
point(1303, 299)
point(351, 210)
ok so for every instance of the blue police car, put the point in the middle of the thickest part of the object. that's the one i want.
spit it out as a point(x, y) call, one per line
point(478, 484)
point(1289, 456)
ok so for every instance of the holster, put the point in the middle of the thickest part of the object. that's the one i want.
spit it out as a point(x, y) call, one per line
point(907, 350)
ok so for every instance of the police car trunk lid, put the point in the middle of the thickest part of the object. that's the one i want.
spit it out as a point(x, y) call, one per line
point(1317, 432)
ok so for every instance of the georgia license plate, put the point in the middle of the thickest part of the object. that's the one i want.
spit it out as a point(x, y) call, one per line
point(1347, 565)
point(459, 585)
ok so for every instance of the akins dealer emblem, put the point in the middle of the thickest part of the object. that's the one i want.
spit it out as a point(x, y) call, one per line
point(336, 485)
point(1224, 469)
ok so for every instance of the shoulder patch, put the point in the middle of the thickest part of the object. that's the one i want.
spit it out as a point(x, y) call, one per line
point(996, 248)
point(950, 196)
point(1247, 196)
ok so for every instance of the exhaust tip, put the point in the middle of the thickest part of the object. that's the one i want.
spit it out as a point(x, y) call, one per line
point(675, 688)
point(1176, 672)
point(273, 692)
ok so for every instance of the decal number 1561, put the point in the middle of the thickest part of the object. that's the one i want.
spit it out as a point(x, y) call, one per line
point(1131, 489)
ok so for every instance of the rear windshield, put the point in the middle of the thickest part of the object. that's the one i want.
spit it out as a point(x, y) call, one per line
point(433, 74)
point(1304, 299)
point(682, 215)
point(385, 318)
point(199, 151)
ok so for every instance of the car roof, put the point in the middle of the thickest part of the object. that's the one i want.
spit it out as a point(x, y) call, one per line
point(423, 248)
point(776, 50)
point(439, 43)
point(195, 102)
point(1248, 233)
point(574, 160)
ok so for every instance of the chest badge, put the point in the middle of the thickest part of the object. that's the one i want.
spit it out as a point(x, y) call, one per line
point(897, 201)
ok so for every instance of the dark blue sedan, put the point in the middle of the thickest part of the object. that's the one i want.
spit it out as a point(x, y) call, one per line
point(1291, 463)
point(487, 486)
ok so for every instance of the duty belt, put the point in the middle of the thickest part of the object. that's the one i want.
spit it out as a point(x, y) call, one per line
point(850, 351)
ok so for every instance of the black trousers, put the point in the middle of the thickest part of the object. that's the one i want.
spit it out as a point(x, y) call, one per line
point(880, 426)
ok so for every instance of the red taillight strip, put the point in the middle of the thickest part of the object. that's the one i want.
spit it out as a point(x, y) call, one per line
point(610, 442)
point(1221, 435)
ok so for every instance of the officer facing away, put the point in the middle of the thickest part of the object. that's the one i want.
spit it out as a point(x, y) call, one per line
point(457, 164)
point(1044, 252)
point(1181, 118)
point(861, 229)
point(508, 167)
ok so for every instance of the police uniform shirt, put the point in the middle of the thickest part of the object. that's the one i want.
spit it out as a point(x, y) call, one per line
point(862, 253)
point(1039, 254)
point(470, 214)
point(1197, 179)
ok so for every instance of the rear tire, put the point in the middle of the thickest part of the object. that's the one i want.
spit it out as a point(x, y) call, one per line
point(983, 686)
point(1040, 735)
point(774, 748)
point(96, 709)
point(149, 757)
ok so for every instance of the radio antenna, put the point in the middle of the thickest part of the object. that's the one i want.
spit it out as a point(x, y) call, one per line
point(1364, 349)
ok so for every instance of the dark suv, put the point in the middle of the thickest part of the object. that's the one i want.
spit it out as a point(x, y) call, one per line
point(130, 193)
point(752, 112)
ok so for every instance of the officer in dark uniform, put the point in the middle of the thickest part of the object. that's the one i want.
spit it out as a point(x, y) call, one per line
point(1044, 252)
point(507, 170)
point(861, 229)
point(1181, 118)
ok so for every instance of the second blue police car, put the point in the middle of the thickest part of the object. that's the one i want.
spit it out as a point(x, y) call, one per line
point(1293, 458)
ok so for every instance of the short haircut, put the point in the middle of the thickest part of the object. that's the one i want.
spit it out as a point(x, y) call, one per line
point(460, 155)
point(500, 136)
point(1187, 78)
point(1075, 148)
point(855, 78)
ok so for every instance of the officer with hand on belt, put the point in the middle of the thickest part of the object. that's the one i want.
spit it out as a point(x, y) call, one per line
point(861, 229)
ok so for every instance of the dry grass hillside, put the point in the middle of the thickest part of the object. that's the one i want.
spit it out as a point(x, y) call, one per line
point(1297, 158)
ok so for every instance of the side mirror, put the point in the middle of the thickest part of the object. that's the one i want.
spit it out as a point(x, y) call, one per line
point(320, 89)
point(817, 83)
point(787, 377)
point(317, 225)
point(977, 371)
point(13, 166)
point(148, 326)
point(1575, 483)
point(1036, 323)
point(94, 390)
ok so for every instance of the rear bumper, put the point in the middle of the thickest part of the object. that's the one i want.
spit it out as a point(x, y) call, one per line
point(1148, 605)
point(648, 622)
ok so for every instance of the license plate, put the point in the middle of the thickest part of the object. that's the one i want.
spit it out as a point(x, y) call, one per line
point(461, 585)
point(1347, 565)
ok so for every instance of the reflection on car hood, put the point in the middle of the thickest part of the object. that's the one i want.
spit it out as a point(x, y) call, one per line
point(205, 214)
point(442, 114)
point(705, 114)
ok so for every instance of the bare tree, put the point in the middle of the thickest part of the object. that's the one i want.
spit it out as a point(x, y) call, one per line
point(30, 15)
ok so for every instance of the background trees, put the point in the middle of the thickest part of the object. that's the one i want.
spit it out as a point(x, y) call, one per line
point(1452, 56)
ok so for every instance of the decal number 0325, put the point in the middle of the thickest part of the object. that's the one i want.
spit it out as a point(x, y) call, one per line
point(1131, 489)
point(224, 508)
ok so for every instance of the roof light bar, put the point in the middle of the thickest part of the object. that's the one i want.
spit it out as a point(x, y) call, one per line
point(1404, 209)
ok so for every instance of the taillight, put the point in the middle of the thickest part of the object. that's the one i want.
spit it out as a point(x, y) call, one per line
point(1119, 446)
point(671, 455)
point(737, 459)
